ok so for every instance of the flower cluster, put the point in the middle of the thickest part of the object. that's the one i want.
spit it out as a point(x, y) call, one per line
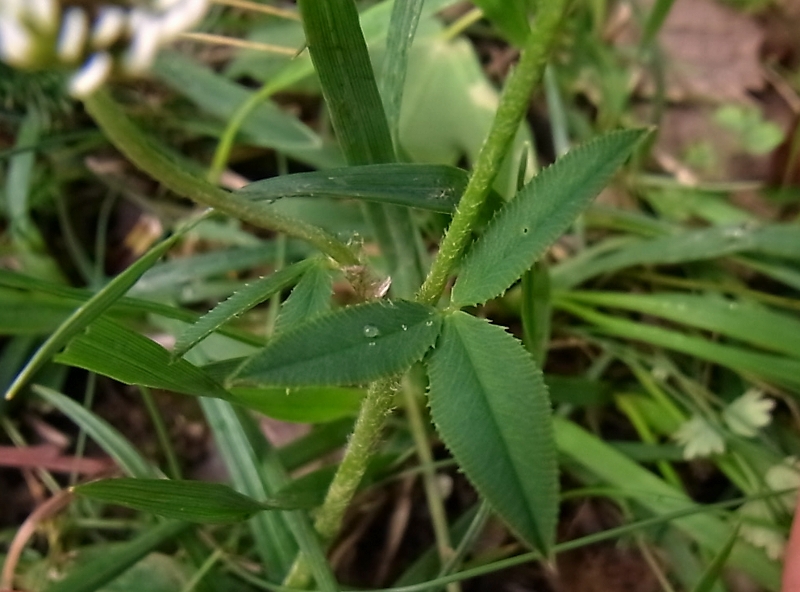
point(38, 34)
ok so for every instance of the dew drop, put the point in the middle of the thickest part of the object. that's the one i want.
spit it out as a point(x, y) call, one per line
point(371, 343)
point(429, 323)
point(404, 327)
point(371, 331)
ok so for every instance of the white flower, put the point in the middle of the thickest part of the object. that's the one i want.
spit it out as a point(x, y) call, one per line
point(108, 26)
point(699, 439)
point(750, 412)
point(16, 44)
point(783, 476)
point(759, 530)
point(72, 37)
point(93, 73)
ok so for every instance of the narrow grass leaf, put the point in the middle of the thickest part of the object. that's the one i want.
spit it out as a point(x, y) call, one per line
point(309, 298)
point(430, 187)
point(272, 539)
point(714, 571)
point(777, 369)
point(653, 493)
point(491, 407)
point(90, 310)
point(301, 404)
point(97, 573)
point(107, 437)
point(191, 501)
point(777, 240)
point(352, 345)
point(741, 320)
point(268, 125)
point(537, 215)
point(240, 302)
point(113, 350)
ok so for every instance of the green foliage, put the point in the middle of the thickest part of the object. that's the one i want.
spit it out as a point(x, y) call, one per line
point(537, 215)
point(191, 501)
point(497, 424)
point(349, 346)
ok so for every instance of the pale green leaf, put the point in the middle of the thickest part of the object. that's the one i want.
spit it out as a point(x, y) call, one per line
point(301, 404)
point(426, 186)
point(353, 345)
point(491, 407)
point(521, 232)
point(239, 303)
point(113, 350)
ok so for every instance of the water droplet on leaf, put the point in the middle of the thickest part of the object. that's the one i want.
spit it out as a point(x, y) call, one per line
point(371, 331)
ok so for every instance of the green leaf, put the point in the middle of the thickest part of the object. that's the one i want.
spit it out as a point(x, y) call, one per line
point(91, 309)
point(741, 320)
point(268, 125)
point(191, 501)
point(352, 345)
point(714, 571)
point(302, 405)
point(510, 17)
point(240, 302)
point(113, 350)
point(655, 495)
point(491, 407)
point(309, 298)
point(96, 573)
point(537, 215)
point(427, 186)
point(108, 438)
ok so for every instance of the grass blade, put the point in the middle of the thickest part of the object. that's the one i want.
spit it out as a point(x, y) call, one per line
point(111, 349)
point(108, 438)
point(430, 187)
point(97, 573)
point(90, 310)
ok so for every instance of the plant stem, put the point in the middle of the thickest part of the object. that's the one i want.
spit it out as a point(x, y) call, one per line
point(146, 154)
point(513, 103)
point(376, 406)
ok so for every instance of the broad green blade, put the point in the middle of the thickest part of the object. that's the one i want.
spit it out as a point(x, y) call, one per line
point(741, 320)
point(537, 215)
point(426, 186)
point(111, 349)
point(90, 310)
point(303, 404)
point(510, 17)
point(706, 529)
point(191, 501)
point(714, 571)
point(26, 314)
point(777, 369)
point(95, 574)
point(309, 298)
point(108, 438)
point(491, 407)
point(352, 345)
point(239, 303)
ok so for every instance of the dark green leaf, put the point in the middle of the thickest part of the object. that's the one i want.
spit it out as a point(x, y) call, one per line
point(538, 214)
point(353, 345)
point(426, 186)
point(309, 298)
point(191, 501)
point(510, 17)
point(240, 302)
point(491, 407)
point(113, 350)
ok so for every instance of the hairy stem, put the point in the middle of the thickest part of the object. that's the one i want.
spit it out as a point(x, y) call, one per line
point(513, 104)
